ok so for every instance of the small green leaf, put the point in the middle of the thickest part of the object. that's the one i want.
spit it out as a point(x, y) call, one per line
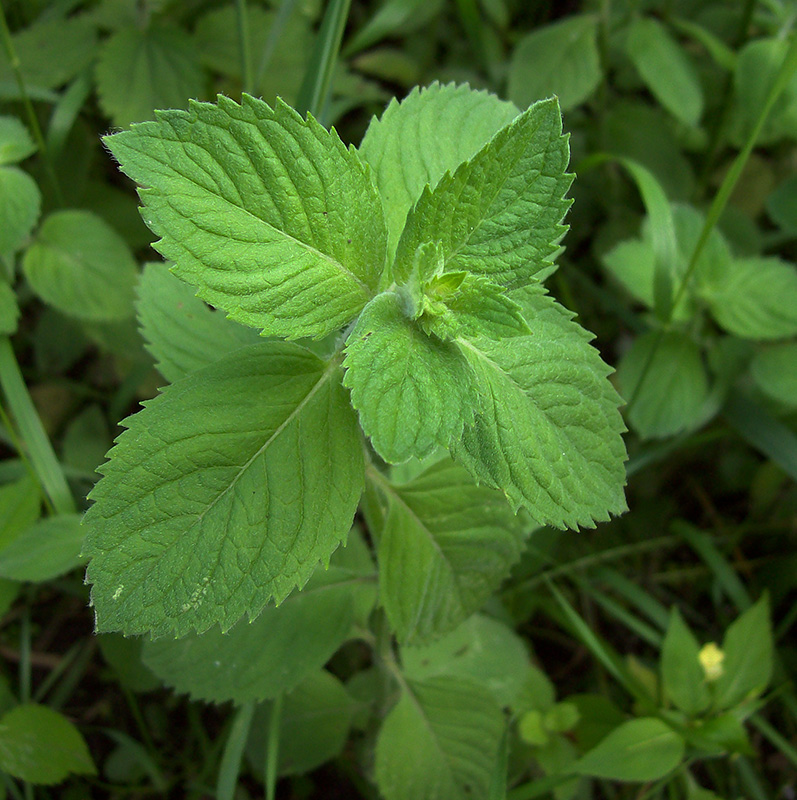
point(775, 372)
point(561, 717)
point(675, 389)
point(446, 546)
point(755, 298)
point(666, 69)
point(44, 551)
point(681, 671)
point(560, 59)
point(413, 392)
point(41, 746)
point(261, 659)
point(447, 124)
point(482, 649)
point(639, 750)
point(548, 433)
point(9, 310)
point(51, 51)
point(140, 69)
point(20, 505)
point(268, 214)
point(500, 214)
point(197, 520)
point(748, 648)
point(20, 204)
point(782, 205)
point(449, 731)
point(314, 725)
point(532, 730)
point(80, 265)
point(15, 141)
point(182, 332)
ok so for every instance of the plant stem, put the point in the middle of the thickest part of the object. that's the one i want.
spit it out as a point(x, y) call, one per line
point(233, 751)
point(272, 754)
point(242, 13)
point(48, 470)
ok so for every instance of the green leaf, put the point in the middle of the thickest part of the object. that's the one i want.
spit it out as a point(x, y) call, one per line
point(141, 69)
point(267, 213)
point(548, 433)
point(781, 205)
point(314, 725)
point(441, 740)
point(9, 310)
point(15, 141)
point(182, 332)
point(44, 551)
point(446, 546)
point(482, 649)
point(674, 394)
point(499, 215)
point(639, 750)
point(20, 505)
point(51, 52)
point(82, 267)
point(413, 392)
point(270, 655)
point(86, 440)
point(20, 204)
point(415, 142)
point(394, 18)
point(218, 43)
point(755, 298)
point(666, 69)
point(681, 671)
point(40, 745)
point(197, 519)
point(560, 59)
point(748, 647)
point(775, 372)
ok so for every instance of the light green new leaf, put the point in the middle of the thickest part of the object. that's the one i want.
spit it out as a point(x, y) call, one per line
point(500, 213)
point(675, 391)
point(458, 303)
point(415, 142)
point(681, 671)
point(413, 392)
point(80, 265)
point(775, 372)
point(44, 551)
point(548, 432)
point(748, 646)
point(446, 546)
point(20, 203)
point(15, 141)
point(41, 746)
point(9, 310)
point(141, 69)
point(268, 214)
point(755, 298)
point(482, 649)
point(199, 518)
point(314, 725)
point(182, 332)
point(270, 655)
point(638, 750)
point(666, 69)
point(448, 730)
point(560, 59)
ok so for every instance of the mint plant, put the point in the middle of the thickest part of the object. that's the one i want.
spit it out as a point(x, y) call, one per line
point(230, 487)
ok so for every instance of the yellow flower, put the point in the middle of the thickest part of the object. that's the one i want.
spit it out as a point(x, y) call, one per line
point(711, 658)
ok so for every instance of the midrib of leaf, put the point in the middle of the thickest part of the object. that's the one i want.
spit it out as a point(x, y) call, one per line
point(388, 488)
point(481, 354)
point(304, 245)
point(333, 364)
point(486, 215)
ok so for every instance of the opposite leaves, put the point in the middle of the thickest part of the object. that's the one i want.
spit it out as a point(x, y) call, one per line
point(224, 492)
point(268, 214)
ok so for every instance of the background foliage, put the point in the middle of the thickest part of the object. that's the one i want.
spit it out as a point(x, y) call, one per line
point(680, 257)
